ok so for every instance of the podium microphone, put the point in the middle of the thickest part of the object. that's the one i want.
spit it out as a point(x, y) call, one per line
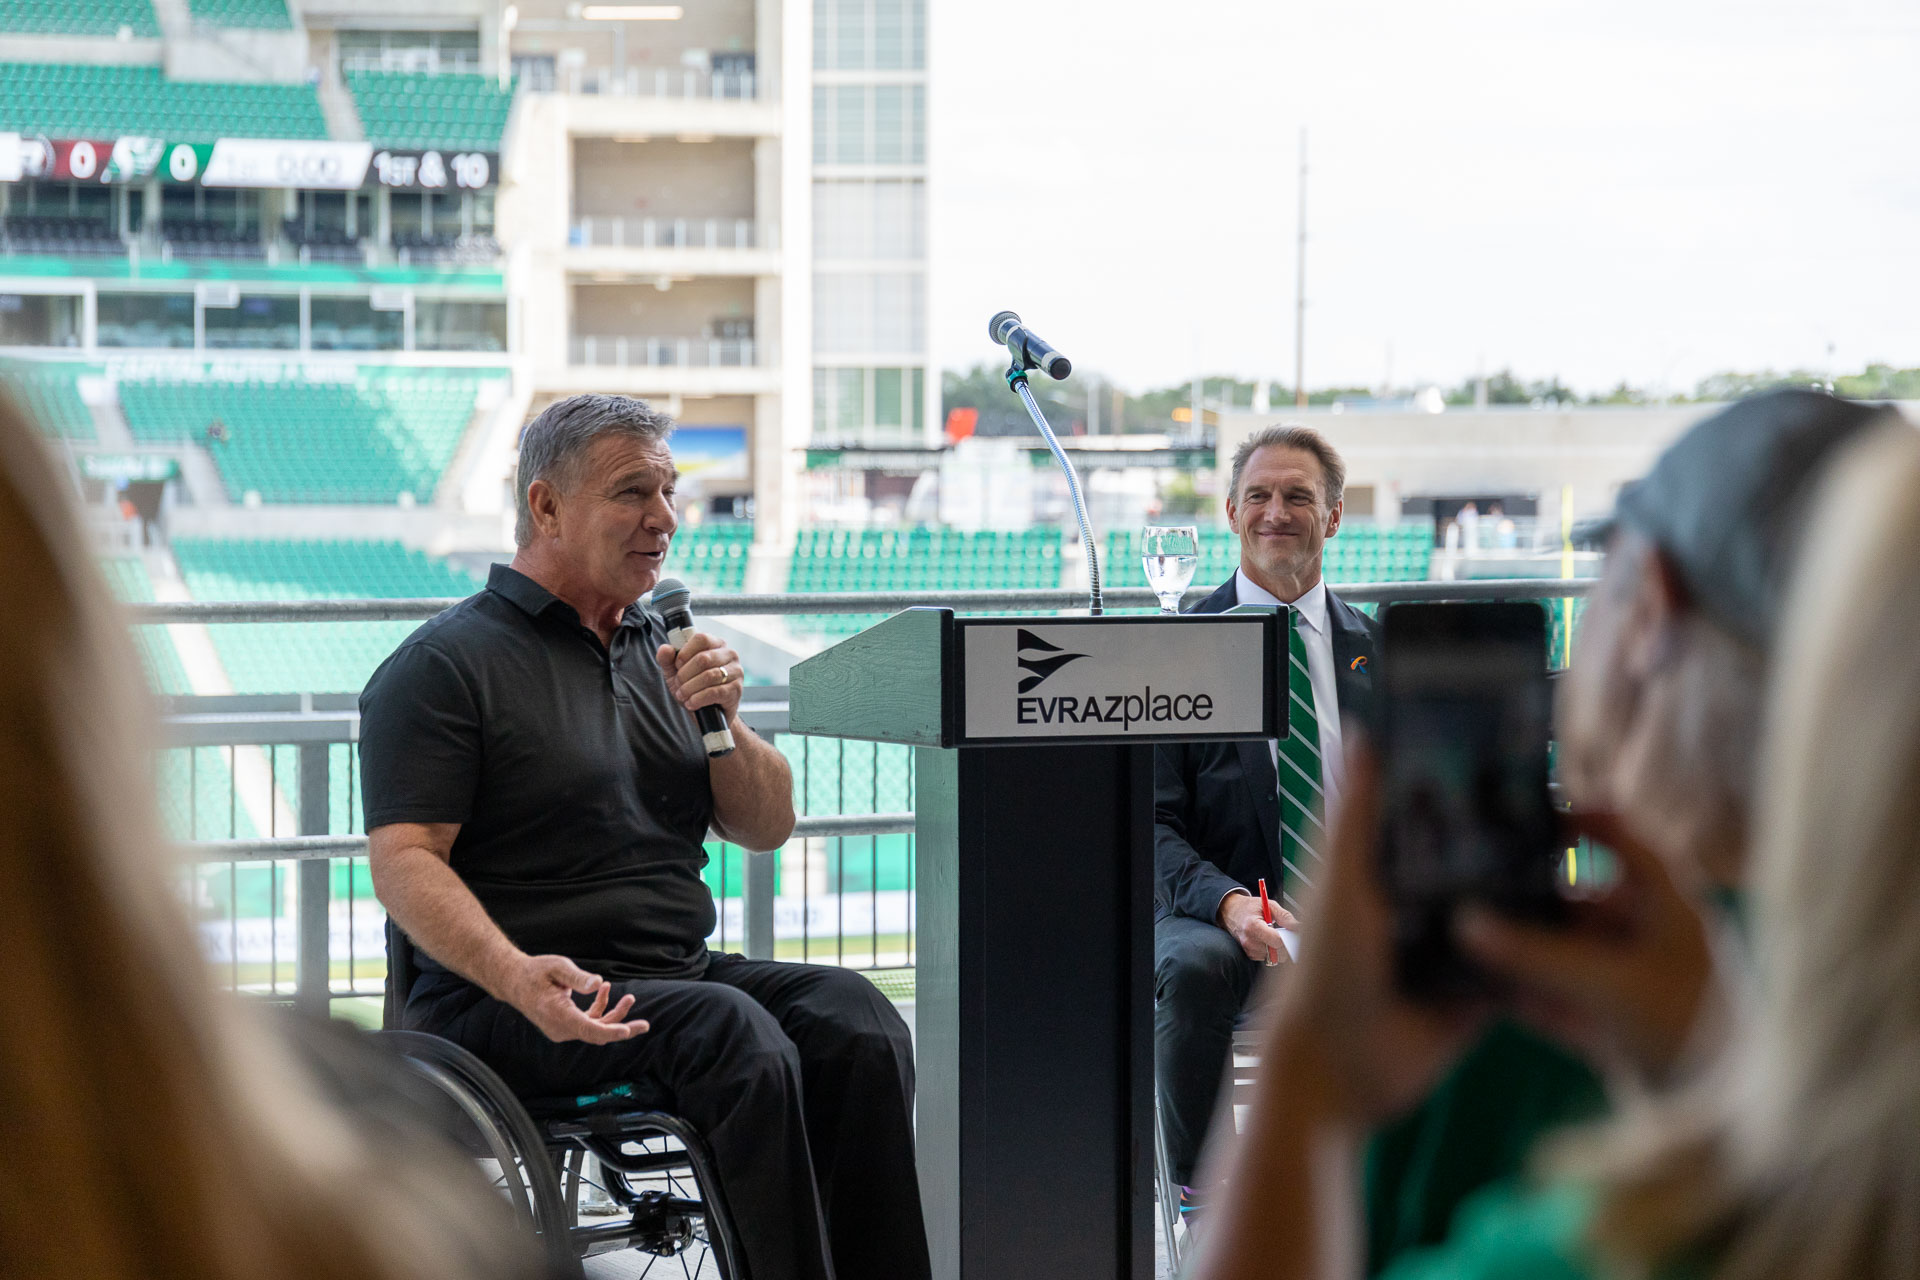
point(675, 603)
point(1029, 350)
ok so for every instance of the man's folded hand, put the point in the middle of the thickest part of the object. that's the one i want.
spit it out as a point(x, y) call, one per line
point(544, 990)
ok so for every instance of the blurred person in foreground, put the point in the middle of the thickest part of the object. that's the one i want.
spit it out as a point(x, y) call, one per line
point(537, 801)
point(149, 1124)
point(1789, 1152)
point(1658, 722)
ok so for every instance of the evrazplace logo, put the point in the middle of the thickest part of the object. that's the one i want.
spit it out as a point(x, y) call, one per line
point(1040, 668)
point(1121, 709)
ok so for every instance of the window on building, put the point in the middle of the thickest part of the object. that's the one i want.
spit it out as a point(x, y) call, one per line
point(351, 324)
point(39, 320)
point(869, 124)
point(884, 404)
point(868, 35)
point(144, 320)
point(459, 326)
point(857, 312)
point(260, 321)
point(858, 220)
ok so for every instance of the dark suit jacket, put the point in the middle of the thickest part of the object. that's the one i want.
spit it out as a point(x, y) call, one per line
point(1216, 824)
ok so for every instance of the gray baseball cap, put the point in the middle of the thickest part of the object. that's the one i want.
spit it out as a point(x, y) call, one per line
point(1725, 500)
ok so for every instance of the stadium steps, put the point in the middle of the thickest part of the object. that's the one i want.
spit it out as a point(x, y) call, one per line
point(472, 443)
point(337, 105)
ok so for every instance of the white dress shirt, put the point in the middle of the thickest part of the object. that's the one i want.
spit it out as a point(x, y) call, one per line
point(1318, 634)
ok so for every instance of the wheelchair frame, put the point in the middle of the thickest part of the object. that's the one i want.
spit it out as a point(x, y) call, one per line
point(541, 1146)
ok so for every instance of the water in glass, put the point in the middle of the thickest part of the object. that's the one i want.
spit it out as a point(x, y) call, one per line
point(1171, 554)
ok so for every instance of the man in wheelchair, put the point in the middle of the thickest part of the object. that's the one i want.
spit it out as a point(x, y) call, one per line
point(537, 795)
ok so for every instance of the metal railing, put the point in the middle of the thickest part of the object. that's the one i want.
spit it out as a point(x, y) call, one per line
point(271, 808)
point(607, 231)
point(621, 351)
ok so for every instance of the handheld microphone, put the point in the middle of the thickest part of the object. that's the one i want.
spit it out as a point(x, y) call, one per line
point(1027, 347)
point(675, 603)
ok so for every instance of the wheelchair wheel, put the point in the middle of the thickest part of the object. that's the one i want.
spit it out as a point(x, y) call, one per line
point(474, 1107)
point(644, 1180)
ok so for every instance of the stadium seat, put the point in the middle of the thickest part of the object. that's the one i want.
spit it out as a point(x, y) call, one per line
point(841, 560)
point(48, 394)
point(711, 557)
point(77, 100)
point(446, 112)
point(391, 431)
point(327, 657)
point(78, 18)
point(1360, 552)
point(267, 15)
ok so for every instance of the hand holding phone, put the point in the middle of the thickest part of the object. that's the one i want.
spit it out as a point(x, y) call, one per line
point(1463, 726)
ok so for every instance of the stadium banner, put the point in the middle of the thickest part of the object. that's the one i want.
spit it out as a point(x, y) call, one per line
point(128, 467)
point(244, 163)
point(710, 453)
point(258, 162)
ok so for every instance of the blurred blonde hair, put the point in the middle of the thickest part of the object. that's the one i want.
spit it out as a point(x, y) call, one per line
point(1799, 1155)
point(151, 1126)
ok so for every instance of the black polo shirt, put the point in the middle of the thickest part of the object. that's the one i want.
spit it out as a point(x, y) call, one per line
point(579, 784)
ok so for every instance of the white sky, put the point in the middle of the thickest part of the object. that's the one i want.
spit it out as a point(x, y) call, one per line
point(1651, 190)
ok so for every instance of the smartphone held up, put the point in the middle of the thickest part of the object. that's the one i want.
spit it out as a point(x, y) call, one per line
point(1462, 722)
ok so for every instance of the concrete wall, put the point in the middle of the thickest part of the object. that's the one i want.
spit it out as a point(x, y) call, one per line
point(686, 310)
point(664, 178)
point(1490, 452)
point(235, 53)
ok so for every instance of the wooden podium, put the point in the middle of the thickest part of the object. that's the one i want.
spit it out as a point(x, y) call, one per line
point(1034, 902)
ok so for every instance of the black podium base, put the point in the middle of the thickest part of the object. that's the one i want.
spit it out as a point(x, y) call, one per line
point(1034, 1012)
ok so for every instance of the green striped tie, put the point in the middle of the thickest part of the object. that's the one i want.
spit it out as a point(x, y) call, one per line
point(1298, 762)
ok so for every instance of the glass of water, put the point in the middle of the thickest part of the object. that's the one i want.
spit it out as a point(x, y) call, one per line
point(1170, 553)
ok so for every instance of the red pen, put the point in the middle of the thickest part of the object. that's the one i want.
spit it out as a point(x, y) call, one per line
point(1266, 913)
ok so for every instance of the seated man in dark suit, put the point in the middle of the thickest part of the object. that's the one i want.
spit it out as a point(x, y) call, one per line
point(1231, 814)
point(1228, 815)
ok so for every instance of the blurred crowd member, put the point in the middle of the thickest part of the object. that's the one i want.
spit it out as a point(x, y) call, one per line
point(152, 1126)
point(1791, 1153)
point(1659, 717)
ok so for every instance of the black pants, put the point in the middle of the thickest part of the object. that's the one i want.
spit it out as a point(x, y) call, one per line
point(1201, 982)
point(799, 1076)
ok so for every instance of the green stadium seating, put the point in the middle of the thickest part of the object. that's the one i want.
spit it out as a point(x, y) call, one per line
point(268, 15)
point(78, 18)
point(389, 432)
point(50, 397)
point(1358, 553)
point(711, 557)
point(316, 657)
point(449, 112)
point(74, 100)
point(916, 560)
point(127, 578)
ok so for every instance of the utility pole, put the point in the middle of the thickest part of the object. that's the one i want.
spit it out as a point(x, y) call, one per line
point(1300, 290)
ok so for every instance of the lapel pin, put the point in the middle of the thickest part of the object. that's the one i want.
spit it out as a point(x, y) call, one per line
point(1358, 664)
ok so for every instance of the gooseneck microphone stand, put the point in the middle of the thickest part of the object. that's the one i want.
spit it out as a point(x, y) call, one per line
point(1017, 382)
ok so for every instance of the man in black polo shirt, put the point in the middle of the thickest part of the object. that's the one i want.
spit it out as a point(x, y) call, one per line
point(537, 797)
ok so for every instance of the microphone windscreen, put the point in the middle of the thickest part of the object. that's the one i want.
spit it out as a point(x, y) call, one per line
point(669, 592)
